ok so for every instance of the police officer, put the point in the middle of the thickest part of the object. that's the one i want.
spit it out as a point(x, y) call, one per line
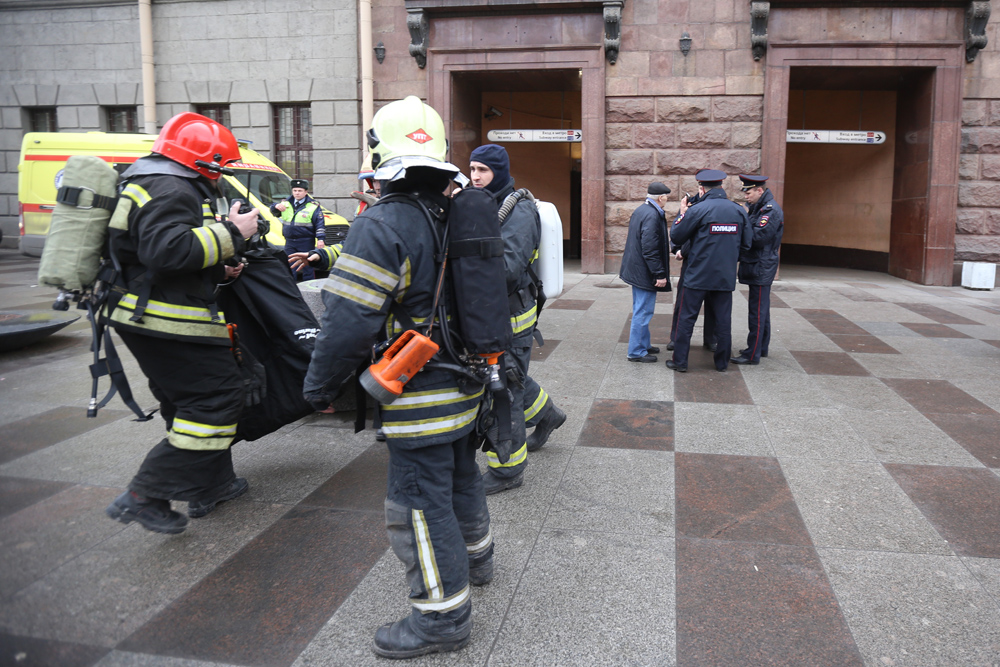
point(303, 224)
point(489, 168)
point(172, 250)
point(718, 229)
point(759, 264)
point(435, 508)
point(681, 253)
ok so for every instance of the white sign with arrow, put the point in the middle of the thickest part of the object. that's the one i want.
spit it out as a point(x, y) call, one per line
point(834, 137)
point(563, 136)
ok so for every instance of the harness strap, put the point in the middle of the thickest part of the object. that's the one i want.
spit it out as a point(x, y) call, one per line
point(70, 195)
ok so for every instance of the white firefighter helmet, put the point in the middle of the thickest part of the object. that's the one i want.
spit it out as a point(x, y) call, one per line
point(407, 133)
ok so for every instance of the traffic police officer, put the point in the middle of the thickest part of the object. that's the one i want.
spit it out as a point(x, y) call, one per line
point(718, 229)
point(435, 508)
point(171, 248)
point(489, 167)
point(759, 264)
point(681, 253)
point(303, 224)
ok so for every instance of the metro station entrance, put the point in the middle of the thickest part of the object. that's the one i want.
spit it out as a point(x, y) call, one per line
point(887, 206)
point(493, 107)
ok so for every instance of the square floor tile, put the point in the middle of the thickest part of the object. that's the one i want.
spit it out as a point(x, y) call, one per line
point(716, 428)
point(736, 498)
point(930, 330)
point(978, 434)
point(569, 304)
point(938, 396)
point(829, 363)
point(629, 425)
point(862, 344)
point(757, 604)
point(32, 652)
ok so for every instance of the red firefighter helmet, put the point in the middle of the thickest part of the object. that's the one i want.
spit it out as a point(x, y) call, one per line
point(198, 143)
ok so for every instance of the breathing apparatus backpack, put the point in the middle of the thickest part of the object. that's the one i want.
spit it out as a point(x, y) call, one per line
point(76, 261)
point(508, 205)
point(471, 312)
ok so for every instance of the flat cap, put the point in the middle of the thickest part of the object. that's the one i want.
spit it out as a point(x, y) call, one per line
point(656, 188)
point(752, 181)
point(710, 176)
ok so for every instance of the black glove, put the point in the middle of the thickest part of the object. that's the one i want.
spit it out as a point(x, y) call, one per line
point(254, 379)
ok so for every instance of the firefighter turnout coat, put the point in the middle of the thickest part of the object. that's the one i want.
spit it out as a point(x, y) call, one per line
point(389, 256)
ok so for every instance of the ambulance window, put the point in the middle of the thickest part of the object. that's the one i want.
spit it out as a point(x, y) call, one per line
point(229, 191)
point(268, 186)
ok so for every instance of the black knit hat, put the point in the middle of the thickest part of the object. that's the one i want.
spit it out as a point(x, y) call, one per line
point(495, 157)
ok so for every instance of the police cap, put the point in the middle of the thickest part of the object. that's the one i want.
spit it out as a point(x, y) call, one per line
point(656, 189)
point(752, 181)
point(300, 183)
point(710, 176)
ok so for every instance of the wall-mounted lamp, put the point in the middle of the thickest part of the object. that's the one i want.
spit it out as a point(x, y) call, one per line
point(492, 113)
point(380, 52)
point(685, 44)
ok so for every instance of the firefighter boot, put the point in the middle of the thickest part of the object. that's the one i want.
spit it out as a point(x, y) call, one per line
point(481, 568)
point(493, 483)
point(152, 513)
point(553, 419)
point(407, 639)
point(199, 508)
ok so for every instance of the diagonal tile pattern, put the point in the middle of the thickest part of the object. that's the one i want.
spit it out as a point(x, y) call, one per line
point(835, 505)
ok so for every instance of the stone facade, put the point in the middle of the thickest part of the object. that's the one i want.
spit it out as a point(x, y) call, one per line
point(249, 54)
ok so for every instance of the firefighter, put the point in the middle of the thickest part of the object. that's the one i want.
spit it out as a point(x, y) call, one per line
point(435, 508)
point(490, 169)
point(171, 249)
point(303, 224)
point(759, 265)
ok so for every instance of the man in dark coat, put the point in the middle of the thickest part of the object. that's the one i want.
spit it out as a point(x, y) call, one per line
point(645, 267)
point(718, 230)
point(759, 264)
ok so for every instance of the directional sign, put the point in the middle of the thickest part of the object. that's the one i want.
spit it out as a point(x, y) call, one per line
point(535, 135)
point(834, 137)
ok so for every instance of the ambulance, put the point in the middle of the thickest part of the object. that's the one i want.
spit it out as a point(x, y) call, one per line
point(44, 154)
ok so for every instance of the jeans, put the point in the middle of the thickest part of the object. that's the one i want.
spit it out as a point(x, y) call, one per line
point(643, 303)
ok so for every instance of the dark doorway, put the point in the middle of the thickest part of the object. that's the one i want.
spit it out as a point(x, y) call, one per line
point(853, 205)
point(525, 100)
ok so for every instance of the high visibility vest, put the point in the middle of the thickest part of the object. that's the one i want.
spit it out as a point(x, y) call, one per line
point(303, 217)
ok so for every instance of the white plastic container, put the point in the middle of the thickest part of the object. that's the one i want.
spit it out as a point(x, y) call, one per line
point(978, 275)
point(549, 265)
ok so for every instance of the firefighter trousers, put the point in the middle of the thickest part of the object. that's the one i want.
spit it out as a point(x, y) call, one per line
point(519, 356)
point(200, 390)
point(439, 526)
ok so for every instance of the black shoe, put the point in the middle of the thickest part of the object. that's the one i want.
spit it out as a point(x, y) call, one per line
point(152, 513)
point(652, 349)
point(647, 359)
point(743, 361)
point(710, 346)
point(496, 484)
point(763, 354)
point(672, 365)
point(670, 346)
point(553, 419)
point(481, 574)
point(199, 508)
point(399, 641)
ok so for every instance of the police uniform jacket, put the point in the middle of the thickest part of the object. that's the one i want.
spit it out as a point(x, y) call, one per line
point(645, 258)
point(759, 264)
point(522, 234)
point(302, 219)
point(165, 234)
point(389, 257)
point(718, 230)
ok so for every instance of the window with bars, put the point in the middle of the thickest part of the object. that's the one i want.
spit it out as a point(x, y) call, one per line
point(293, 150)
point(121, 119)
point(217, 112)
point(43, 119)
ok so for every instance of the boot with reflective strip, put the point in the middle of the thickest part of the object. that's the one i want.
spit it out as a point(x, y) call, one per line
point(551, 420)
